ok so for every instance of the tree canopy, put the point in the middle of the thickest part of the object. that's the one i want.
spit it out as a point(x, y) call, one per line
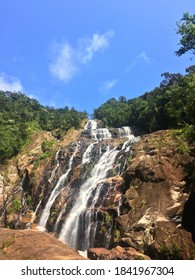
point(20, 115)
point(186, 28)
point(171, 105)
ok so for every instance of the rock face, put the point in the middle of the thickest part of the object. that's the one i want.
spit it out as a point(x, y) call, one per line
point(155, 193)
point(82, 193)
point(138, 205)
point(188, 221)
point(33, 245)
point(20, 177)
point(117, 253)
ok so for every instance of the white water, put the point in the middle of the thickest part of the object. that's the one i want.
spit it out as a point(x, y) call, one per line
point(87, 154)
point(70, 228)
point(91, 125)
point(97, 133)
point(101, 134)
point(57, 165)
point(56, 191)
point(81, 222)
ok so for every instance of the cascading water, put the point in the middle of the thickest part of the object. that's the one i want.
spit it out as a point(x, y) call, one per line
point(70, 232)
point(81, 216)
point(87, 154)
point(58, 188)
point(57, 165)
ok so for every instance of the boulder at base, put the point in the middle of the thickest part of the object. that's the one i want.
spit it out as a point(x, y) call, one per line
point(33, 245)
point(117, 253)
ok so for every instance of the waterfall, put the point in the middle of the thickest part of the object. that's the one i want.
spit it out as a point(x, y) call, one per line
point(80, 216)
point(97, 133)
point(57, 165)
point(87, 153)
point(91, 125)
point(71, 227)
point(58, 188)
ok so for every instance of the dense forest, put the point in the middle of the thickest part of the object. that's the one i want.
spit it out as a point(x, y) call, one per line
point(171, 105)
point(21, 115)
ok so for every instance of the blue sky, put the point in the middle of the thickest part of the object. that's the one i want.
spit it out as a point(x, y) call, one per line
point(81, 53)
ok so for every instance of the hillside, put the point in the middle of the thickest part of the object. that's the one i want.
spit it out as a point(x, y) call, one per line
point(120, 186)
point(151, 192)
point(171, 105)
point(20, 116)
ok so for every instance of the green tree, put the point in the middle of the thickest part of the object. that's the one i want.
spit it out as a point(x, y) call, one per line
point(21, 115)
point(186, 28)
point(191, 69)
point(170, 79)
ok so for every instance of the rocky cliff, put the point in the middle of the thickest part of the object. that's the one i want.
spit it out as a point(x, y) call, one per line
point(156, 194)
point(138, 209)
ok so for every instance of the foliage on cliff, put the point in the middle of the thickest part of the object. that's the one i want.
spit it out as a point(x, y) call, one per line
point(20, 115)
point(171, 105)
point(186, 28)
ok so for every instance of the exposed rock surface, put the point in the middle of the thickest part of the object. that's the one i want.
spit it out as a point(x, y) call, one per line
point(155, 193)
point(143, 209)
point(117, 253)
point(188, 221)
point(81, 193)
point(33, 245)
point(20, 177)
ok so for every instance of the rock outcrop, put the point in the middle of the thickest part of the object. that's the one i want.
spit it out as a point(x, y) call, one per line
point(33, 245)
point(156, 196)
point(188, 221)
point(116, 253)
point(144, 207)
point(21, 176)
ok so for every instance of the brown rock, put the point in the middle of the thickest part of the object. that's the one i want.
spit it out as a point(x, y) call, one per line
point(117, 253)
point(33, 245)
point(155, 195)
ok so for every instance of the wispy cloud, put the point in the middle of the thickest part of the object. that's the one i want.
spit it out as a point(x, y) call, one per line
point(10, 83)
point(98, 42)
point(142, 57)
point(108, 85)
point(67, 60)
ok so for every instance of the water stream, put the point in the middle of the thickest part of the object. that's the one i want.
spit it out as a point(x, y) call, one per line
point(78, 221)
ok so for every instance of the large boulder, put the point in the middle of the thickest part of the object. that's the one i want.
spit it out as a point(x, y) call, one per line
point(33, 245)
point(116, 253)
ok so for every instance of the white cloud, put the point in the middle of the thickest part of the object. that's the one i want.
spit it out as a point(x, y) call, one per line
point(98, 42)
point(10, 83)
point(108, 85)
point(67, 60)
point(64, 67)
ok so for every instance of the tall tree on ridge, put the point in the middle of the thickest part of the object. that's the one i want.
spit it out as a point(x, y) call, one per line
point(186, 28)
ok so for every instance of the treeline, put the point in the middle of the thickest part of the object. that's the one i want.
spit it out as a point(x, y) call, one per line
point(20, 115)
point(171, 105)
